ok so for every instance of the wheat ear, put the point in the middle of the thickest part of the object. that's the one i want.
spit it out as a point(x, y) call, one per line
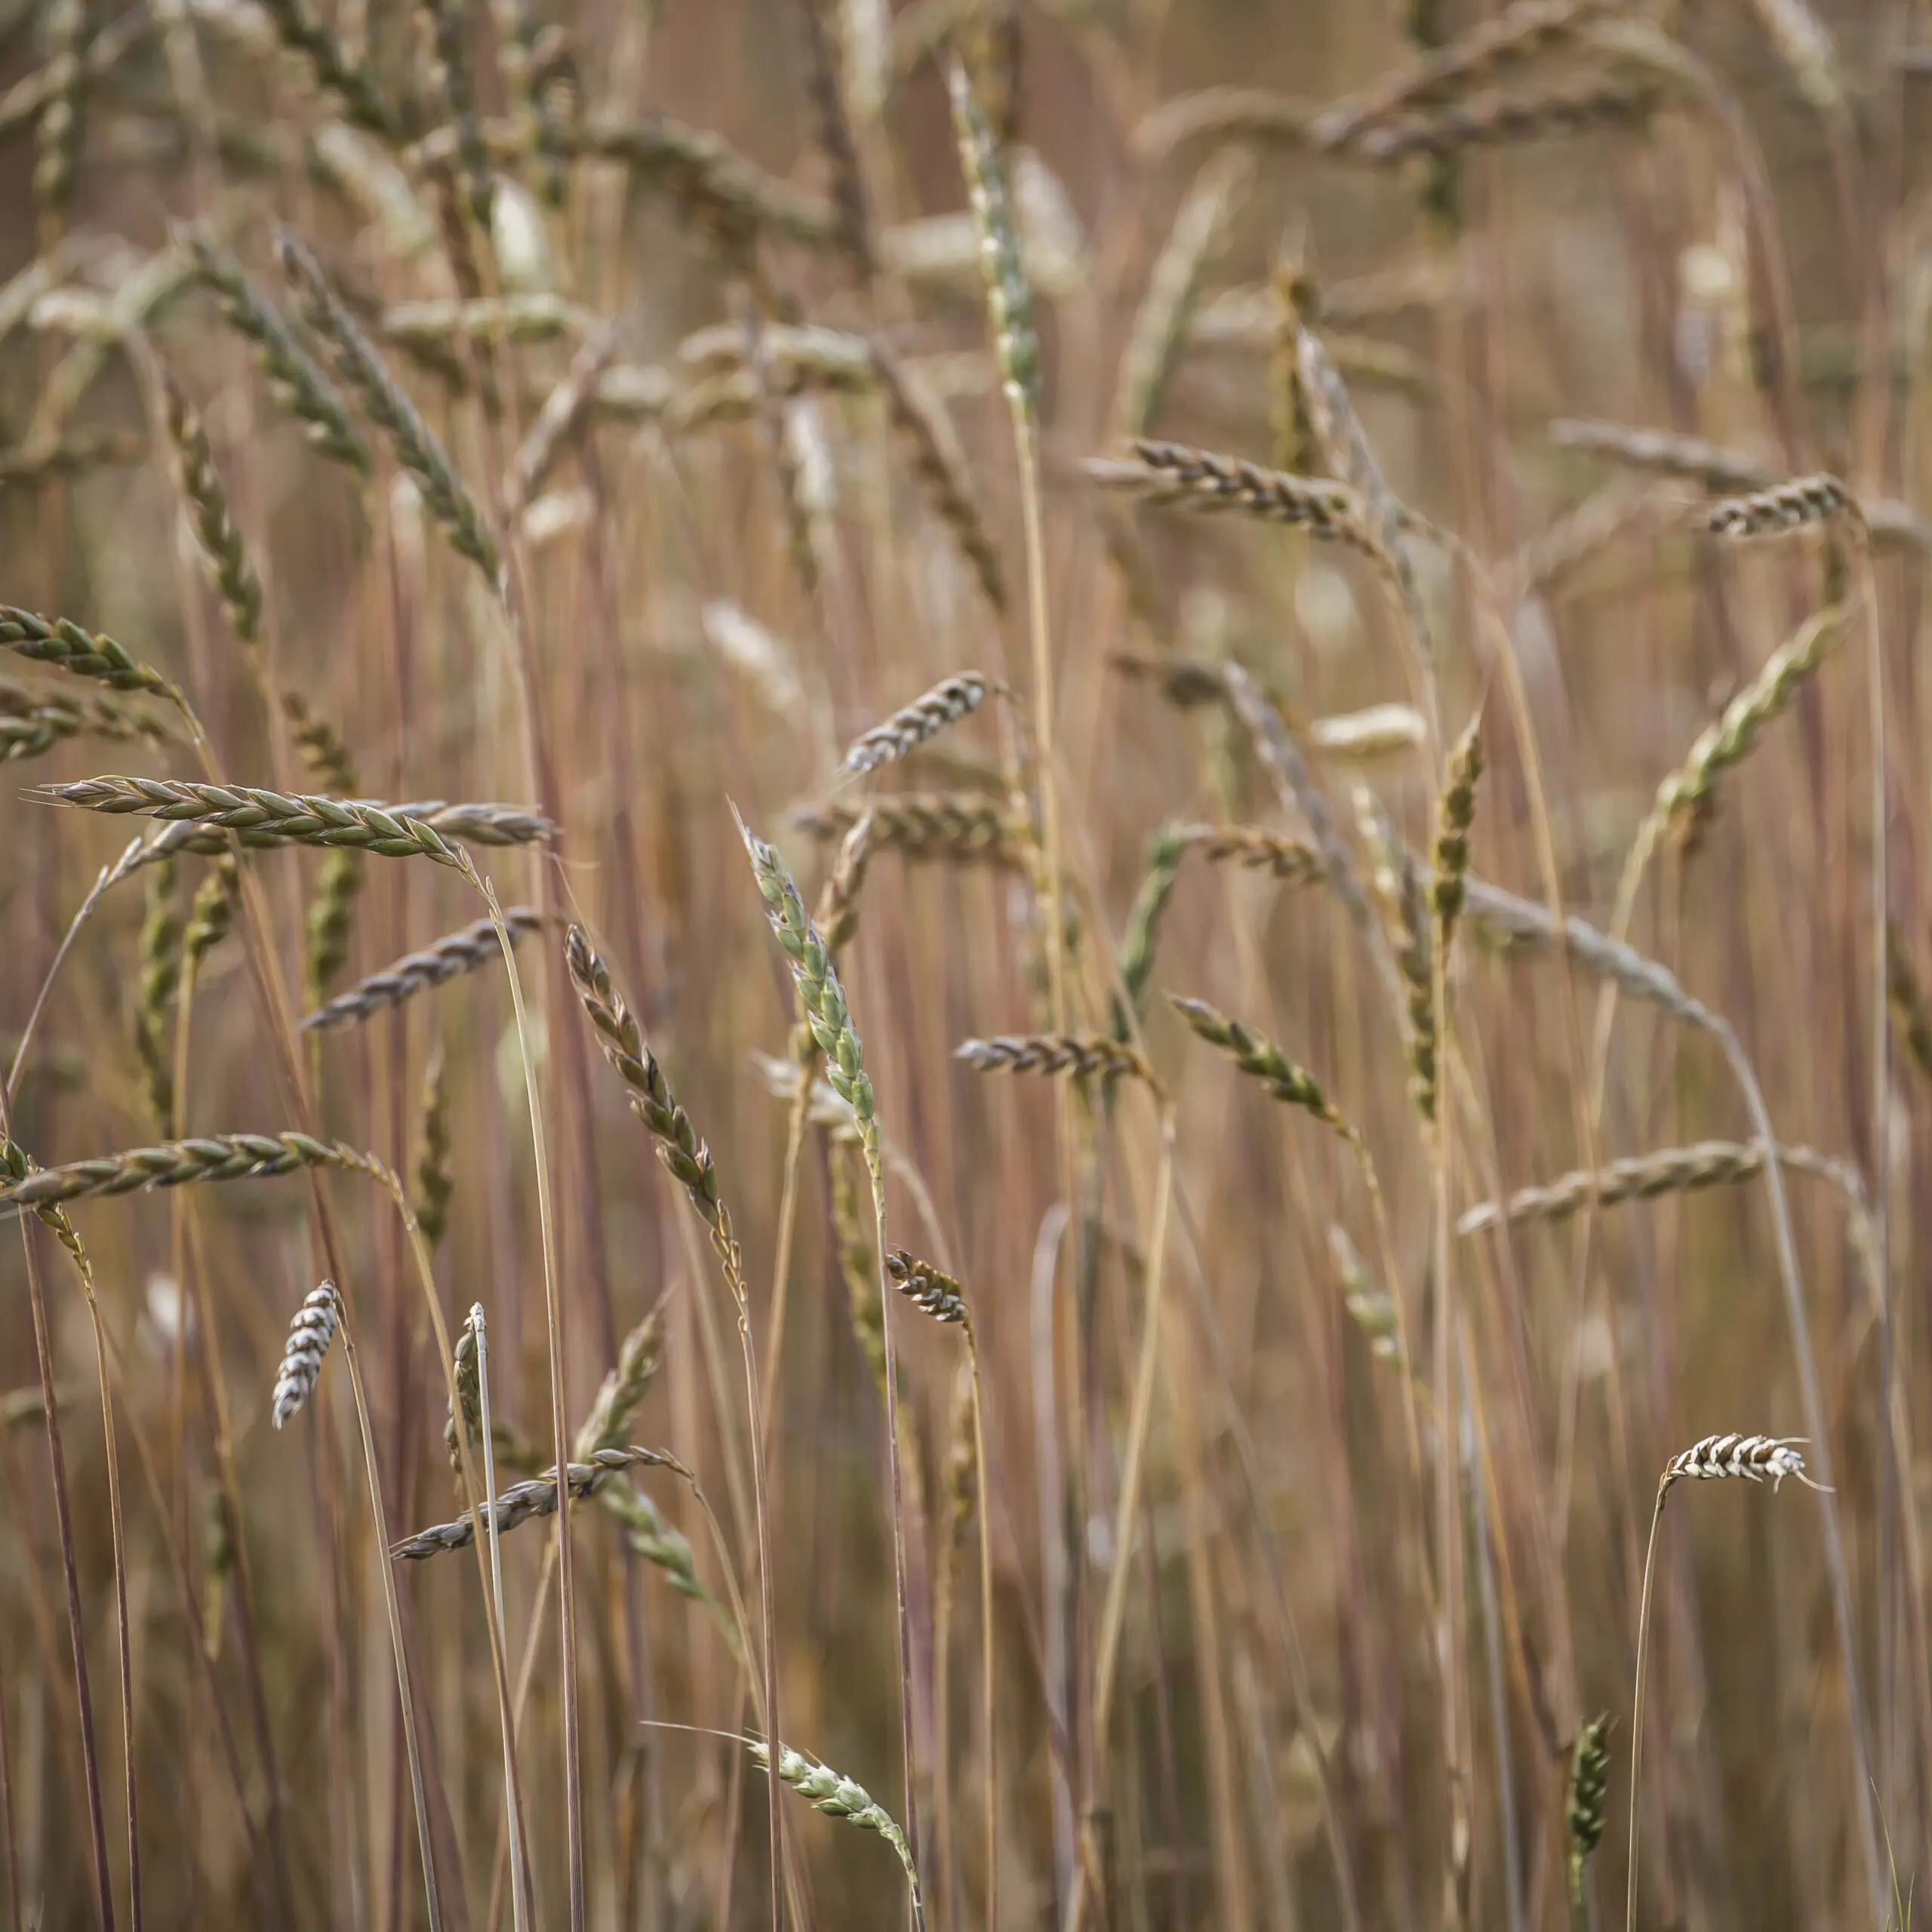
point(310, 1336)
point(56, 641)
point(524, 1502)
point(464, 951)
point(950, 700)
point(1583, 1811)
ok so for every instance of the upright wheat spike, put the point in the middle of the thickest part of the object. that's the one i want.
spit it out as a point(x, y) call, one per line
point(461, 952)
point(310, 1335)
point(161, 980)
point(212, 914)
point(1589, 1788)
point(299, 385)
point(1455, 814)
point(415, 442)
point(1160, 324)
point(1909, 1009)
point(464, 1423)
point(200, 485)
point(57, 165)
point(430, 1202)
point(622, 1392)
point(950, 700)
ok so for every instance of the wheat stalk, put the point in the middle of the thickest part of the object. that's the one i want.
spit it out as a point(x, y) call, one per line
point(310, 1336)
point(274, 818)
point(464, 951)
point(523, 1502)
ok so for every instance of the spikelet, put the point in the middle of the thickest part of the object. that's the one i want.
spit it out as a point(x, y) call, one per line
point(415, 444)
point(463, 951)
point(1663, 452)
point(310, 1335)
point(1257, 847)
point(223, 554)
point(1160, 871)
point(1685, 797)
point(467, 1372)
point(1175, 476)
point(838, 1796)
point(1455, 812)
point(1645, 1177)
point(210, 1156)
point(429, 1199)
point(1784, 506)
point(622, 1390)
point(1160, 324)
point(525, 1502)
point(57, 164)
point(83, 653)
point(960, 826)
point(267, 818)
point(450, 68)
point(819, 989)
point(1261, 1059)
point(1753, 1457)
point(950, 700)
point(938, 1294)
point(1086, 1055)
point(298, 384)
point(315, 45)
point(1909, 1009)
point(1009, 301)
point(685, 1156)
point(1589, 1789)
point(160, 979)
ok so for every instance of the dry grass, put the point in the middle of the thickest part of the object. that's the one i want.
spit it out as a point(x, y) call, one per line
point(660, 401)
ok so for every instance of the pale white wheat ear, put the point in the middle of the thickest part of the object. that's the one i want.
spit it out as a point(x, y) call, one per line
point(310, 1336)
point(1713, 1459)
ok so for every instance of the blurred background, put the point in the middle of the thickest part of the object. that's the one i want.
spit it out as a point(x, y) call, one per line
point(693, 297)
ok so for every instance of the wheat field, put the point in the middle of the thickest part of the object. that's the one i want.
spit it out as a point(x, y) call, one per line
point(998, 915)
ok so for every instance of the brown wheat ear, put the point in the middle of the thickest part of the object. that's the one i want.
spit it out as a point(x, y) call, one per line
point(1806, 500)
point(926, 1286)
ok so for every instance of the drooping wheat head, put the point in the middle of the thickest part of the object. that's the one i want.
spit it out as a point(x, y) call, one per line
point(1754, 1458)
point(1261, 1059)
point(1804, 502)
point(524, 1502)
point(926, 1287)
point(309, 1337)
point(621, 1393)
point(463, 951)
point(83, 653)
point(1085, 1056)
point(912, 724)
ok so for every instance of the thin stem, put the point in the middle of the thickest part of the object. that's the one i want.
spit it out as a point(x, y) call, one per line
point(989, 1706)
point(887, 1294)
point(1113, 1610)
point(389, 1603)
point(553, 1324)
point(500, 1633)
point(1637, 1712)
